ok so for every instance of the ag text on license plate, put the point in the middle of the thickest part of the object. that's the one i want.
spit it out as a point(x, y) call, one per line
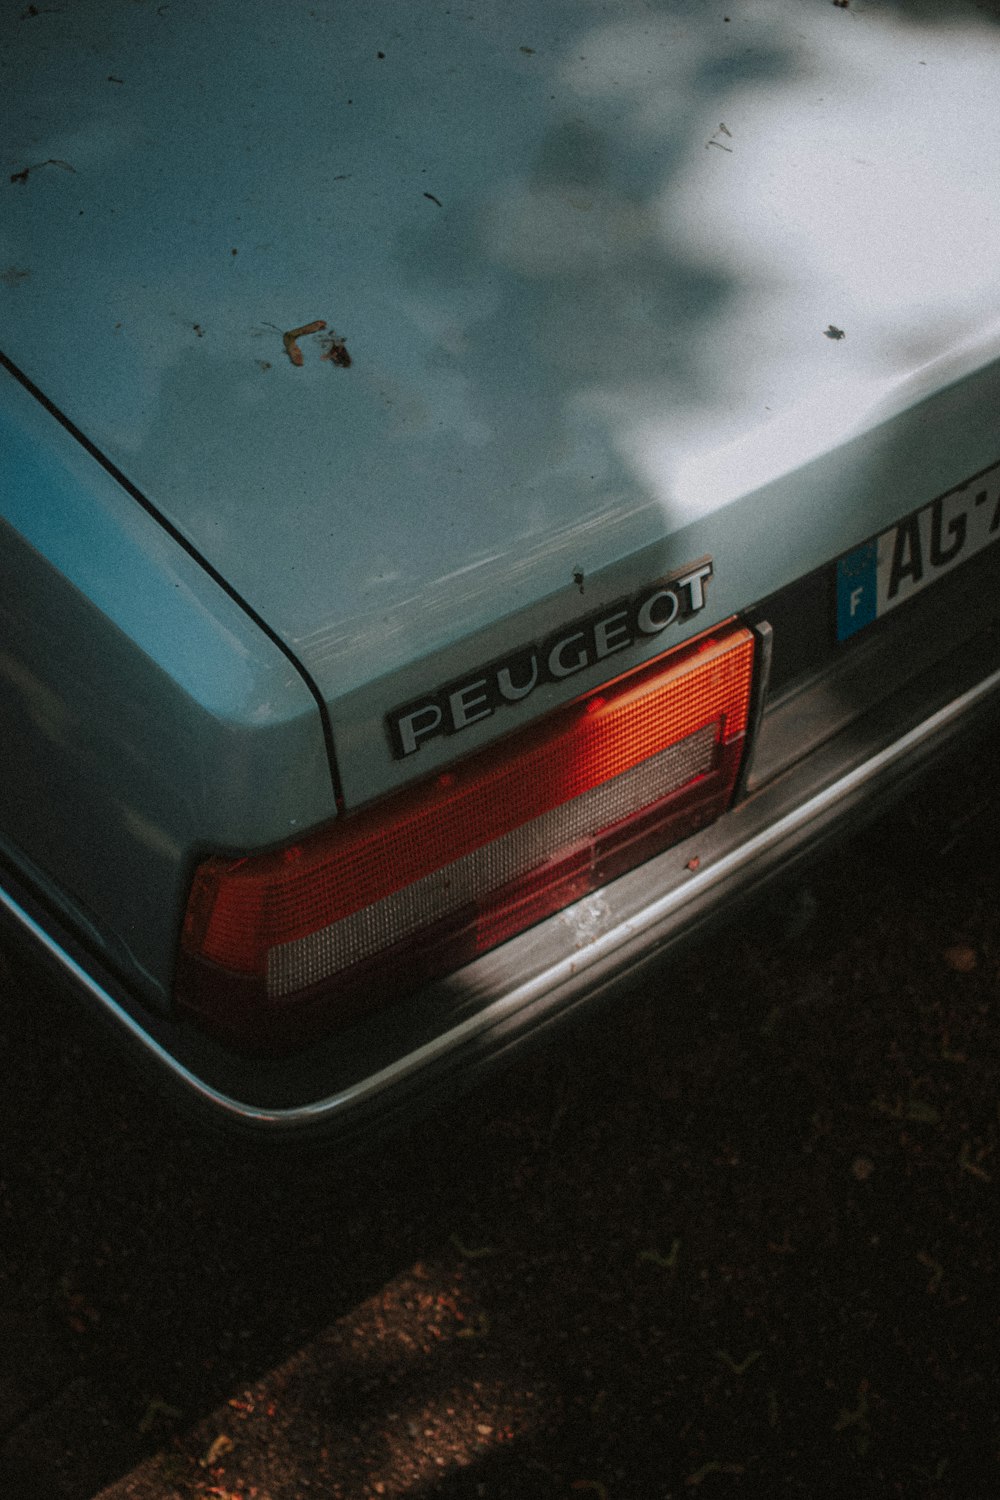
point(909, 556)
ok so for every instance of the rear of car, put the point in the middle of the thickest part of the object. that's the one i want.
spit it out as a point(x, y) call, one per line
point(469, 515)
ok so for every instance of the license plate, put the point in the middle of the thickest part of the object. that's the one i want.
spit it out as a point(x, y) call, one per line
point(913, 554)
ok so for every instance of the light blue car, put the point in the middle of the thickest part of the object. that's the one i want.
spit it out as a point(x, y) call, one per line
point(481, 489)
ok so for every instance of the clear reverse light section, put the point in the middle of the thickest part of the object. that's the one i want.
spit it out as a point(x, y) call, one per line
point(293, 966)
point(384, 899)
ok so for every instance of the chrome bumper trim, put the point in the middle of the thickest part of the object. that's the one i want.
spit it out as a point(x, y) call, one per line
point(551, 982)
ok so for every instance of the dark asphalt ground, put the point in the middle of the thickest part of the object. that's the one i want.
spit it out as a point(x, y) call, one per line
point(734, 1236)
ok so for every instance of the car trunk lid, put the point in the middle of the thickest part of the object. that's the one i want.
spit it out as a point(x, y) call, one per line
point(602, 299)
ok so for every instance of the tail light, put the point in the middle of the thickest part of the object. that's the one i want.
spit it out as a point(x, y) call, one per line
point(384, 899)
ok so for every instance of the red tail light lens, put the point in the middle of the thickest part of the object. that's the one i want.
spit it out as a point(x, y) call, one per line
point(411, 888)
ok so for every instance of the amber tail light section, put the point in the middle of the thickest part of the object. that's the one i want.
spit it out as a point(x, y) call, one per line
point(279, 945)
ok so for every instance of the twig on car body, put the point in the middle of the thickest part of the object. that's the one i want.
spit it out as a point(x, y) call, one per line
point(290, 340)
point(51, 161)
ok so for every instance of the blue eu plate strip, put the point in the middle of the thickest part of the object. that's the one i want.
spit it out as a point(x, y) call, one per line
point(857, 590)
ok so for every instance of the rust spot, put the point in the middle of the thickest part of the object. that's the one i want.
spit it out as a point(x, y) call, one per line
point(336, 351)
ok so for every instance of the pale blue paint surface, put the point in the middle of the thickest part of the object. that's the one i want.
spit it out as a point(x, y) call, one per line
point(602, 352)
point(144, 717)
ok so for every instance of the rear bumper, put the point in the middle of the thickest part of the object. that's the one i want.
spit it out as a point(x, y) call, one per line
point(411, 1054)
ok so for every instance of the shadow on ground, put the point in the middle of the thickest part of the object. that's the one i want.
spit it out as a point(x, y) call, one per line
point(742, 1228)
